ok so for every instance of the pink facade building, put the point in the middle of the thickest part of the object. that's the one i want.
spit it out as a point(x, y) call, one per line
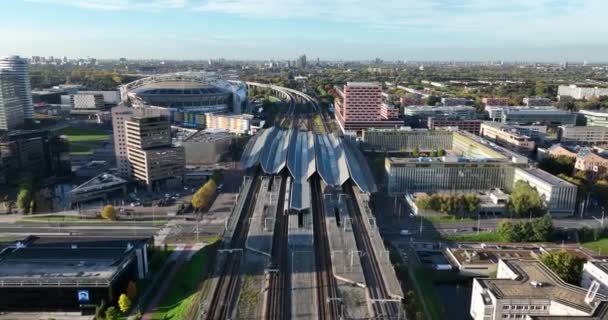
point(360, 105)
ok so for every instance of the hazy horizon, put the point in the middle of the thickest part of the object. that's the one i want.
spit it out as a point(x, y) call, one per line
point(348, 30)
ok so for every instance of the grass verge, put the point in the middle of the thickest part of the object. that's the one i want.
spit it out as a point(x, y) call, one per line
point(448, 219)
point(599, 246)
point(425, 279)
point(185, 288)
point(487, 236)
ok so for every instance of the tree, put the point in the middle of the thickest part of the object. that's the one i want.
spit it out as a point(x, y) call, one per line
point(201, 198)
point(557, 165)
point(566, 103)
point(440, 153)
point(112, 313)
point(132, 290)
point(124, 303)
point(565, 264)
point(423, 201)
point(471, 203)
point(525, 200)
point(109, 213)
point(504, 229)
point(542, 228)
point(415, 152)
point(24, 200)
point(433, 154)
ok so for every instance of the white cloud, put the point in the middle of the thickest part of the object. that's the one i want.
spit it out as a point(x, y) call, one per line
point(113, 5)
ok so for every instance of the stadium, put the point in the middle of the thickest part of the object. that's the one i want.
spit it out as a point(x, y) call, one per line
point(187, 96)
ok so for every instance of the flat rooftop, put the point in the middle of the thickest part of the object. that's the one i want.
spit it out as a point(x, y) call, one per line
point(553, 288)
point(547, 177)
point(62, 261)
point(488, 256)
point(205, 136)
point(362, 84)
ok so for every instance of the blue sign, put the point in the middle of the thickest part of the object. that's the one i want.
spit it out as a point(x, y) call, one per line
point(83, 296)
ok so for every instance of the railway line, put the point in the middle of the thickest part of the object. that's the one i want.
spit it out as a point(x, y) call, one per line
point(373, 275)
point(278, 296)
point(227, 286)
point(328, 307)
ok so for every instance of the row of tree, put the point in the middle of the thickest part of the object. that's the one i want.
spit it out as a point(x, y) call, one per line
point(125, 302)
point(536, 230)
point(449, 202)
point(525, 201)
point(201, 198)
point(433, 153)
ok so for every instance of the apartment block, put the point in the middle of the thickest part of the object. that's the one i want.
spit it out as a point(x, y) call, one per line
point(583, 135)
point(360, 105)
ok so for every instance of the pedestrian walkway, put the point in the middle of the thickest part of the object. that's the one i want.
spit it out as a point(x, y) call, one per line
point(180, 259)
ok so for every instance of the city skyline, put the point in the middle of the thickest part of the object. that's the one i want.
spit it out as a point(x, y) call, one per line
point(521, 30)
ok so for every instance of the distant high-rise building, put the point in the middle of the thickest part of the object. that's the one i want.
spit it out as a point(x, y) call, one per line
point(301, 62)
point(15, 93)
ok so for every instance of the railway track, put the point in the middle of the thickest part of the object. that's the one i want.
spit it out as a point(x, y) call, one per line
point(326, 282)
point(279, 306)
point(371, 268)
point(227, 286)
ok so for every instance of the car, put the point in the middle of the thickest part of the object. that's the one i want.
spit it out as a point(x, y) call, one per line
point(220, 186)
point(412, 215)
point(406, 232)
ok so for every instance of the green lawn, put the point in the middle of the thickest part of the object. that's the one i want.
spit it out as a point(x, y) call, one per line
point(599, 246)
point(488, 236)
point(84, 140)
point(184, 289)
point(425, 280)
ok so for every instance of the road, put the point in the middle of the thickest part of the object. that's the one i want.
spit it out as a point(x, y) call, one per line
point(391, 223)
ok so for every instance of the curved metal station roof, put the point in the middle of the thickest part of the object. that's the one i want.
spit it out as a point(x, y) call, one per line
point(304, 153)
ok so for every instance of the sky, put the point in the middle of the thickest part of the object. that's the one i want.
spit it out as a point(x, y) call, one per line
point(509, 30)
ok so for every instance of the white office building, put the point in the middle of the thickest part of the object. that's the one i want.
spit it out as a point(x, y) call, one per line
point(583, 135)
point(559, 194)
point(527, 289)
point(15, 92)
point(578, 93)
point(595, 271)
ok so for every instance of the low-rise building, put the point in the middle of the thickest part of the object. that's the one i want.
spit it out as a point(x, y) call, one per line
point(590, 161)
point(527, 289)
point(233, 123)
point(448, 102)
point(73, 274)
point(537, 102)
point(583, 135)
point(559, 194)
point(483, 262)
point(405, 139)
point(496, 101)
point(472, 126)
point(595, 118)
point(508, 136)
point(595, 270)
point(454, 112)
point(100, 187)
point(547, 116)
point(558, 150)
point(579, 93)
point(206, 148)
